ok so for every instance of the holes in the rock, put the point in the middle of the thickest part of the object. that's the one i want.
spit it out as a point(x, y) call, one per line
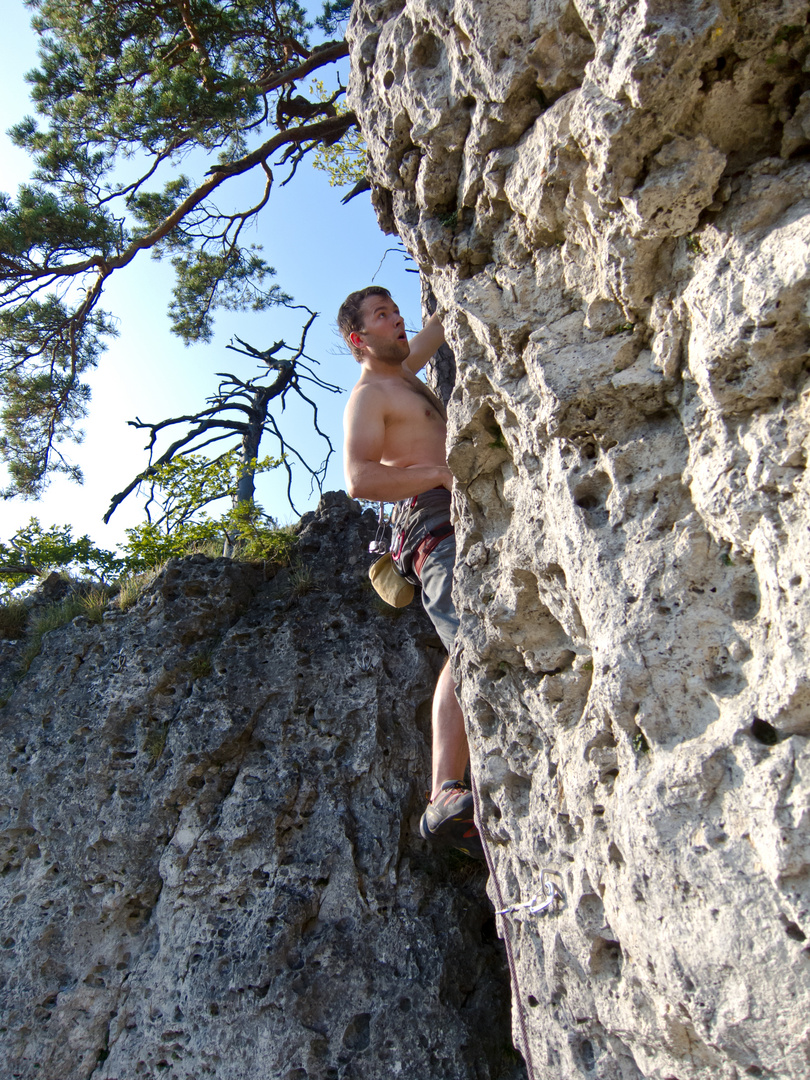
point(606, 958)
point(721, 68)
point(489, 931)
point(388, 80)
point(592, 492)
point(614, 855)
point(357, 1035)
point(586, 1053)
point(427, 51)
point(532, 1000)
point(793, 930)
point(487, 720)
point(554, 578)
point(764, 732)
point(567, 830)
point(639, 740)
point(518, 789)
point(745, 605)
point(566, 660)
point(590, 913)
point(591, 495)
point(604, 740)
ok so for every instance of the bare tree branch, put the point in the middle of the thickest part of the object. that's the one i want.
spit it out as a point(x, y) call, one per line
point(250, 399)
point(325, 54)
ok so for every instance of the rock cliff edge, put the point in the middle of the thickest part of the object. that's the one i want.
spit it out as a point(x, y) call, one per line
point(209, 856)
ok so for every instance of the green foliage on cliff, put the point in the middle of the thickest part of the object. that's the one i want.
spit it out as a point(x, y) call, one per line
point(33, 550)
point(177, 526)
point(180, 488)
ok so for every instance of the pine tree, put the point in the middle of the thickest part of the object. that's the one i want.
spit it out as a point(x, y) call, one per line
point(126, 90)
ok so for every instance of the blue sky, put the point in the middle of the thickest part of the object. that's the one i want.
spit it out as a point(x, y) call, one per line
point(321, 251)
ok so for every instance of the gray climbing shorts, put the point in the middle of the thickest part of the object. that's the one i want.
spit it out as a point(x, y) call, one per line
point(436, 578)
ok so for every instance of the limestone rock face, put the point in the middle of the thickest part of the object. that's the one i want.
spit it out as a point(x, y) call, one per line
point(611, 205)
point(210, 857)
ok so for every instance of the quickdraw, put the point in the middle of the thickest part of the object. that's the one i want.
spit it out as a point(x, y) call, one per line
point(542, 901)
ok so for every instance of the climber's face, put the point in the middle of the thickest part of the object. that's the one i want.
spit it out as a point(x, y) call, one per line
point(383, 335)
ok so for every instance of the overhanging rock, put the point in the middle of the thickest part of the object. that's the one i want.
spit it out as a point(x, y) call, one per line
point(610, 203)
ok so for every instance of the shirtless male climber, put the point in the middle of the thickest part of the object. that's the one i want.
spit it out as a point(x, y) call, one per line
point(395, 432)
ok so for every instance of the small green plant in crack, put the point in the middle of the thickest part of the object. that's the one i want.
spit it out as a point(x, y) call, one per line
point(693, 245)
point(50, 618)
point(619, 328)
point(498, 440)
point(788, 33)
point(132, 588)
point(200, 666)
point(463, 868)
point(154, 743)
point(640, 744)
point(274, 545)
point(726, 559)
point(301, 580)
point(449, 219)
point(380, 607)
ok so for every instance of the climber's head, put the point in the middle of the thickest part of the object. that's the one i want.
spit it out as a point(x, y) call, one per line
point(372, 326)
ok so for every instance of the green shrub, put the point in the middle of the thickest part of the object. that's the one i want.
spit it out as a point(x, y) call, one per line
point(132, 588)
point(301, 580)
point(94, 604)
point(276, 545)
point(13, 617)
point(49, 618)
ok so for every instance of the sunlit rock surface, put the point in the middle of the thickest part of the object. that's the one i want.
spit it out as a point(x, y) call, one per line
point(610, 204)
point(208, 829)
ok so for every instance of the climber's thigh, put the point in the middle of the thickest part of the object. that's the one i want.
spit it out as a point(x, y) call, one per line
point(436, 578)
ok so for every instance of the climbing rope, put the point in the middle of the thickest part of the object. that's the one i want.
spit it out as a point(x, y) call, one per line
point(539, 904)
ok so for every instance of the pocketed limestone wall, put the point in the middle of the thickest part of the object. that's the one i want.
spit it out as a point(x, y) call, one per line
point(610, 204)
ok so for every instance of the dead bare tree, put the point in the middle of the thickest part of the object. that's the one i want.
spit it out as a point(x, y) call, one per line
point(240, 410)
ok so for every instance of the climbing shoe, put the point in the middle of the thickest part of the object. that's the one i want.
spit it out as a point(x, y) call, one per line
point(449, 822)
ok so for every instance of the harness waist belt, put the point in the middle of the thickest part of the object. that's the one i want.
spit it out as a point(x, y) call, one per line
point(426, 546)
